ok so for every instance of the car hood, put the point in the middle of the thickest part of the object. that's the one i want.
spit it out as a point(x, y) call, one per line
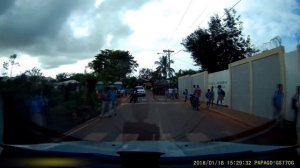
point(170, 149)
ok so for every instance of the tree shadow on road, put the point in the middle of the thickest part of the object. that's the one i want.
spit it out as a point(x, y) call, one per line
point(140, 130)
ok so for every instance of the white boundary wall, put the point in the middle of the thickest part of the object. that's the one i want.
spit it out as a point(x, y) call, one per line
point(184, 82)
point(292, 64)
point(250, 83)
point(254, 81)
point(220, 78)
point(200, 79)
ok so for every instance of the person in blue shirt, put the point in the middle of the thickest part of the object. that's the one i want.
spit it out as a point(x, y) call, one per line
point(38, 104)
point(221, 94)
point(207, 96)
point(112, 98)
point(278, 103)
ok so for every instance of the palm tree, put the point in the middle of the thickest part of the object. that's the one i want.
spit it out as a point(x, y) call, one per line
point(163, 67)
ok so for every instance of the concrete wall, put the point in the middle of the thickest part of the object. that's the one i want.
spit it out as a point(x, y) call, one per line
point(220, 78)
point(250, 83)
point(254, 80)
point(292, 64)
point(184, 82)
point(266, 76)
point(240, 87)
point(201, 80)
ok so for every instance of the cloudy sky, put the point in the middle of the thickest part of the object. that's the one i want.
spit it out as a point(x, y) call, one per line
point(64, 35)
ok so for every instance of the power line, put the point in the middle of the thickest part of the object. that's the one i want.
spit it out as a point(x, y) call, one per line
point(198, 17)
point(231, 8)
point(194, 23)
point(177, 52)
point(184, 61)
point(181, 19)
point(181, 59)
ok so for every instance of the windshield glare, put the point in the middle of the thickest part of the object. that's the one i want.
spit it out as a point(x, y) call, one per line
point(184, 74)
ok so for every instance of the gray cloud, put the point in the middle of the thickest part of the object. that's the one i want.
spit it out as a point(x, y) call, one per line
point(5, 5)
point(42, 28)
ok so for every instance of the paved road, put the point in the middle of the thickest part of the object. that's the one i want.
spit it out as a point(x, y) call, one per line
point(158, 119)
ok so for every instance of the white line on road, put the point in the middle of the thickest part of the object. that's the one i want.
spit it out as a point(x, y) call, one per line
point(86, 124)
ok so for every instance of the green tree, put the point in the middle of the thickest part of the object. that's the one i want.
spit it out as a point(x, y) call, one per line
point(91, 81)
point(156, 75)
point(163, 67)
point(112, 65)
point(219, 45)
point(130, 82)
point(145, 73)
point(80, 77)
point(34, 74)
point(10, 63)
point(186, 72)
point(62, 76)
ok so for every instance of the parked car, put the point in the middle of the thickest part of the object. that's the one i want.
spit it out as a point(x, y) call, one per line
point(141, 91)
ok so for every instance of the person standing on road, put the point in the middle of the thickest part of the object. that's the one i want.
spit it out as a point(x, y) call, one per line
point(104, 103)
point(278, 102)
point(186, 93)
point(112, 102)
point(170, 92)
point(197, 93)
point(296, 104)
point(211, 96)
point(176, 92)
point(192, 100)
point(196, 102)
point(221, 94)
point(134, 96)
point(173, 95)
point(207, 96)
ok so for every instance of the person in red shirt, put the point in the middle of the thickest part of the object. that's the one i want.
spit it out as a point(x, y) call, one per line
point(197, 93)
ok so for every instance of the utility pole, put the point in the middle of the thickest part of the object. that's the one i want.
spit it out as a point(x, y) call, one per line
point(168, 52)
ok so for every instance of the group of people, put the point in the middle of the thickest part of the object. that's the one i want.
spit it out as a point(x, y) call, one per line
point(109, 102)
point(169, 92)
point(277, 100)
point(172, 93)
point(209, 95)
point(194, 98)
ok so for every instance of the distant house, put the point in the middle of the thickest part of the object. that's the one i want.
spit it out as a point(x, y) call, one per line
point(67, 82)
point(118, 85)
point(72, 84)
point(100, 85)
